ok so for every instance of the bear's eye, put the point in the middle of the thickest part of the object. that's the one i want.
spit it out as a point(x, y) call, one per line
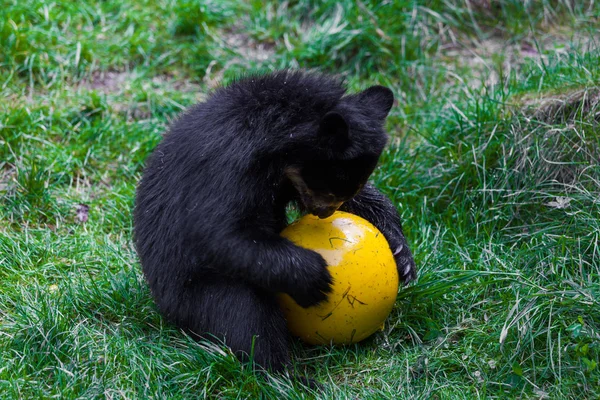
point(329, 196)
point(315, 183)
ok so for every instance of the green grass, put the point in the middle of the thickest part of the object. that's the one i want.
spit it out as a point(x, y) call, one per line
point(494, 165)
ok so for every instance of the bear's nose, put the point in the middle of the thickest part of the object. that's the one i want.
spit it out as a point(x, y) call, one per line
point(325, 212)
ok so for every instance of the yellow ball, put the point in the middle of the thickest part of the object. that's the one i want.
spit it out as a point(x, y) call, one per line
point(365, 280)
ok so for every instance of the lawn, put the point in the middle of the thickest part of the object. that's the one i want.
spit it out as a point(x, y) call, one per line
point(493, 162)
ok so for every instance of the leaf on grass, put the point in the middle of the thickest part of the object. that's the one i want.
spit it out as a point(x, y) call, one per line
point(82, 212)
point(575, 330)
point(517, 370)
point(590, 364)
point(560, 202)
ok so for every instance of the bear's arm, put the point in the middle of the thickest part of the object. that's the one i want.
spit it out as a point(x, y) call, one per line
point(376, 208)
point(266, 260)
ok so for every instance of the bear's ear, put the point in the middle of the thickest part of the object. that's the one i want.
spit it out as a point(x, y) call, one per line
point(333, 125)
point(378, 99)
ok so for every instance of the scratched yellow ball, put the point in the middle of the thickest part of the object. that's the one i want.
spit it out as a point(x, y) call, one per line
point(365, 280)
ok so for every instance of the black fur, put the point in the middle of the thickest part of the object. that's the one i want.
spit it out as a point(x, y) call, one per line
point(212, 202)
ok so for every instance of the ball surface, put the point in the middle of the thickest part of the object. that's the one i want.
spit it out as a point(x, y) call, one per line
point(365, 280)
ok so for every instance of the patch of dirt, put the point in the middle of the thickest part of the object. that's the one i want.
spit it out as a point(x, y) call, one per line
point(564, 108)
point(7, 175)
point(107, 82)
point(553, 144)
point(171, 82)
point(133, 112)
point(494, 56)
point(248, 50)
point(115, 82)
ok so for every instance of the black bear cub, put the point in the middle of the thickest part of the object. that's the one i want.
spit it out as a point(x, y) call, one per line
point(212, 202)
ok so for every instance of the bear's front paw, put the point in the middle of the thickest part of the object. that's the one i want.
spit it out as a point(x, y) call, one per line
point(314, 283)
point(407, 270)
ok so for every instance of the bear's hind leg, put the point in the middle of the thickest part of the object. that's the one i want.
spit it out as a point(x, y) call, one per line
point(247, 319)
